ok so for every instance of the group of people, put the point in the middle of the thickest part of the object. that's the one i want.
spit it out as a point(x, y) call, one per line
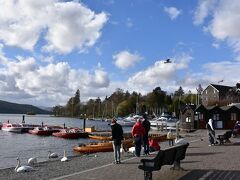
point(140, 132)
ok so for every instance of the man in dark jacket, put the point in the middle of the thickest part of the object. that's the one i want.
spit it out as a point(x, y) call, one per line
point(117, 137)
point(146, 124)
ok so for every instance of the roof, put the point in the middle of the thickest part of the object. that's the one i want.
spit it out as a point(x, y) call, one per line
point(187, 106)
point(221, 88)
point(223, 108)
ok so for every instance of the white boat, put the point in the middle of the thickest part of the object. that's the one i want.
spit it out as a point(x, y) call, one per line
point(126, 123)
point(13, 127)
point(158, 125)
point(132, 117)
point(164, 122)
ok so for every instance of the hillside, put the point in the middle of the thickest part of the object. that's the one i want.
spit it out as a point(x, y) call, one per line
point(13, 108)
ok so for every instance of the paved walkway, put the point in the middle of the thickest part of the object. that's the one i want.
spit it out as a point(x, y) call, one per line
point(201, 162)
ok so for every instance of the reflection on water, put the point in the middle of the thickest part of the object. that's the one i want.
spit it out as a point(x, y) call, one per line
point(28, 145)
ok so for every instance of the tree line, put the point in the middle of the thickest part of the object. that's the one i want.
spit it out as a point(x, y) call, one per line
point(122, 103)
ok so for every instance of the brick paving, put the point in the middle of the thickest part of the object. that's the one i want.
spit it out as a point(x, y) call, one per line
point(201, 162)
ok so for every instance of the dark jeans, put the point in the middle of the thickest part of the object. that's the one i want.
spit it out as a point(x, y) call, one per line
point(138, 144)
point(116, 150)
point(170, 142)
point(146, 144)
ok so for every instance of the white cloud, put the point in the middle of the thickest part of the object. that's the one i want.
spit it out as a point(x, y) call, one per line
point(125, 59)
point(25, 81)
point(216, 45)
point(164, 74)
point(204, 8)
point(224, 21)
point(212, 73)
point(66, 25)
point(172, 12)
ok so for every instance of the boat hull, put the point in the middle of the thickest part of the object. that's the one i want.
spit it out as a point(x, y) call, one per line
point(41, 132)
point(101, 147)
point(70, 135)
point(102, 138)
point(13, 129)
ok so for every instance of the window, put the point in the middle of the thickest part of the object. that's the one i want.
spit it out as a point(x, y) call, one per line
point(201, 116)
point(233, 116)
point(216, 117)
point(188, 119)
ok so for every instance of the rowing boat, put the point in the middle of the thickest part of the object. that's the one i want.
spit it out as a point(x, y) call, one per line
point(101, 138)
point(101, 147)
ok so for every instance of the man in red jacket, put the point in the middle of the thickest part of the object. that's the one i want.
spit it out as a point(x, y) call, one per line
point(138, 132)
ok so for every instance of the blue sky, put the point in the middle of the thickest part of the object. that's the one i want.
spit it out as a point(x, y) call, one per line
point(51, 48)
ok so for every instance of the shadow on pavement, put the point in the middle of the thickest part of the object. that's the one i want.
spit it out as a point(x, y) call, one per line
point(202, 154)
point(189, 162)
point(193, 147)
point(211, 174)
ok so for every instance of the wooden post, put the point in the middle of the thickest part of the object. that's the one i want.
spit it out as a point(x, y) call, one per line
point(23, 119)
point(84, 123)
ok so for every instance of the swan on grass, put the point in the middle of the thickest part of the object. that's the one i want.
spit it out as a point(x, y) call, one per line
point(19, 168)
point(32, 161)
point(64, 159)
point(52, 155)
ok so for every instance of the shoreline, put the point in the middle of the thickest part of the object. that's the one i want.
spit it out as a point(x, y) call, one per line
point(55, 168)
point(83, 162)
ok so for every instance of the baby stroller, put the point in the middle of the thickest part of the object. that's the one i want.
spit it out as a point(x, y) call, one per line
point(236, 129)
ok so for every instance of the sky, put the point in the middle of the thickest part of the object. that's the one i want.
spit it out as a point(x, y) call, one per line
point(51, 48)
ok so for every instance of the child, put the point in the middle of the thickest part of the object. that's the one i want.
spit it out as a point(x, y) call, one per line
point(153, 145)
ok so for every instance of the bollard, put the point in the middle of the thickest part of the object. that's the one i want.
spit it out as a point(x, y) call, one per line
point(23, 119)
point(84, 124)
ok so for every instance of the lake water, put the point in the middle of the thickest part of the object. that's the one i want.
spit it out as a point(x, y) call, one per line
point(27, 145)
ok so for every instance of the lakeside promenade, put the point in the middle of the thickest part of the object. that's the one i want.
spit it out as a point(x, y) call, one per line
point(201, 162)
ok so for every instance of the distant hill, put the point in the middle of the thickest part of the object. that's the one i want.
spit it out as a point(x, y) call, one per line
point(46, 108)
point(14, 108)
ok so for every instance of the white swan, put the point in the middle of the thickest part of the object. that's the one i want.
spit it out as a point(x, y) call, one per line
point(32, 161)
point(131, 150)
point(20, 168)
point(64, 159)
point(52, 155)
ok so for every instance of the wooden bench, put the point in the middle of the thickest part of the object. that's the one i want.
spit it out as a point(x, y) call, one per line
point(170, 156)
point(223, 138)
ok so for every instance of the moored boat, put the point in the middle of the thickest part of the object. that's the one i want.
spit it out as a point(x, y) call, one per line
point(43, 131)
point(98, 137)
point(100, 147)
point(13, 127)
point(70, 133)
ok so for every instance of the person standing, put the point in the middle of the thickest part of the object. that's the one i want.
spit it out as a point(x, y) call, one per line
point(117, 137)
point(146, 124)
point(211, 133)
point(170, 137)
point(138, 132)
